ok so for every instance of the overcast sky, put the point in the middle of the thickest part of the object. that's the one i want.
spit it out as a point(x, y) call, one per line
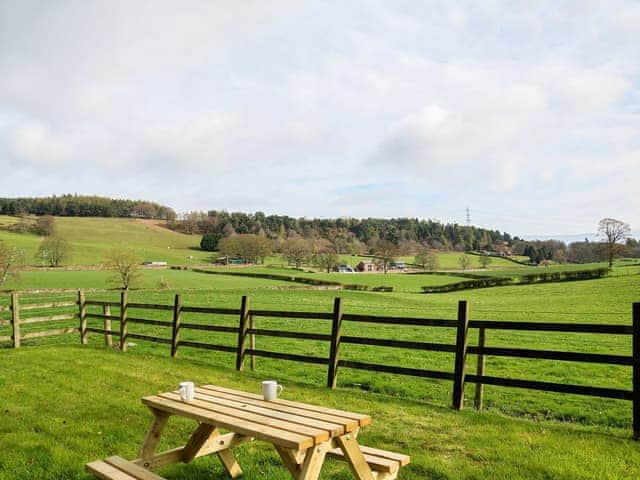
point(528, 113)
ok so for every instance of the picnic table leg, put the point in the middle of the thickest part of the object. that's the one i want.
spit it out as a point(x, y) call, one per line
point(152, 438)
point(354, 457)
point(204, 434)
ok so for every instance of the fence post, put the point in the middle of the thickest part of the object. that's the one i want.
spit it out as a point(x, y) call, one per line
point(175, 336)
point(636, 371)
point(252, 341)
point(242, 333)
point(482, 339)
point(82, 307)
point(15, 319)
point(334, 353)
point(461, 353)
point(106, 311)
point(124, 300)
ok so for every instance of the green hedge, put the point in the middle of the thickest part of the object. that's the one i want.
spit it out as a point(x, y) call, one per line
point(271, 276)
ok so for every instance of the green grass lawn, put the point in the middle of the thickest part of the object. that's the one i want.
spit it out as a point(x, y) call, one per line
point(64, 406)
point(91, 238)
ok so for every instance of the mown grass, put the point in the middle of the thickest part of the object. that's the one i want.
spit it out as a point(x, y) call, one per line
point(65, 406)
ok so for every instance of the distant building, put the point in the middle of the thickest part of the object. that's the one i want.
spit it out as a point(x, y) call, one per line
point(231, 261)
point(367, 266)
point(398, 266)
point(345, 268)
point(149, 263)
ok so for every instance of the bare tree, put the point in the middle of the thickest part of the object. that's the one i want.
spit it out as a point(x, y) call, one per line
point(427, 259)
point(485, 260)
point(10, 261)
point(126, 264)
point(296, 251)
point(54, 250)
point(613, 232)
point(464, 261)
point(386, 252)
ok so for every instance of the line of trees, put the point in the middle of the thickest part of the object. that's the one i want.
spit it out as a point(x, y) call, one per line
point(85, 206)
point(348, 235)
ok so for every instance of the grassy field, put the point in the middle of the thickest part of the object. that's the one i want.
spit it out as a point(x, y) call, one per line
point(91, 238)
point(95, 411)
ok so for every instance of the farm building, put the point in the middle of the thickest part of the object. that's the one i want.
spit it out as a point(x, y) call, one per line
point(367, 267)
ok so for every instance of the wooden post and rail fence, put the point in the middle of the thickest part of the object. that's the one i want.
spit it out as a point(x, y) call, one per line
point(244, 337)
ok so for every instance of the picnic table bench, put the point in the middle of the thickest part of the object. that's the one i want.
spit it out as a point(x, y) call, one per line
point(302, 434)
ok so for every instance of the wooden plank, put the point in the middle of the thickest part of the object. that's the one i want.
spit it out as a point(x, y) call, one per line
point(50, 333)
point(105, 332)
point(149, 338)
point(151, 306)
point(422, 322)
point(354, 457)
point(108, 339)
point(132, 469)
point(243, 427)
point(413, 372)
point(207, 346)
point(39, 306)
point(401, 458)
point(553, 327)
point(212, 310)
point(151, 440)
point(362, 419)
point(334, 347)
point(288, 460)
point(554, 355)
point(98, 303)
point(312, 464)
point(104, 471)
point(5, 338)
point(379, 464)
point(242, 333)
point(4, 308)
point(82, 313)
point(148, 321)
point(300, 315)
point(197, 440)
point(383, 342)
point(318, 435)
point(461, 355)
point(286, 334)
point(482, 339)
point(287, 356)
point(50, 318)
point(124, 298)
point(553, 387)
point(348, 424)
point(98, 316)
point(15, 319)
point(175, 328)
point(636, 370)
point(209, 328)
point(301, 419)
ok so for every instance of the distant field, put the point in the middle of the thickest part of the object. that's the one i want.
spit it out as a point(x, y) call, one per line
point(91, 238)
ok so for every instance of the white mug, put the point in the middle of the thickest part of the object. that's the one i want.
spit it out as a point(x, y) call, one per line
point(187, 391)
point(271, 390)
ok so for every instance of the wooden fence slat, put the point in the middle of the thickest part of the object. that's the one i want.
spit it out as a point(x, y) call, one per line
point(151, 306)
point(148, 321)
point(553, 327)
point(108, 339)
point(422, 322)
point(97, 303)
point(102, 316)
point(384, 342)
point(242, 333)
point(288, 356)
point(209, 328)
point(15, 319)
point(124, 297)
point(175, 332)
point(334, 348)
point(482, 339)
point(286, 314)
point(286, 334)
point(41, 306)
point(636, 371)
point(212, 310)
point(553, 355)
point(208, 346)
point(50, 333)
point(50, 318)
point(461, 355)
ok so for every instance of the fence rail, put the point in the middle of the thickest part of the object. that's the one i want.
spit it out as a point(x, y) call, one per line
point(245, 333)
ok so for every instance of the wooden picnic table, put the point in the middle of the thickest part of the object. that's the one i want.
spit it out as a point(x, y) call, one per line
point(302, 434)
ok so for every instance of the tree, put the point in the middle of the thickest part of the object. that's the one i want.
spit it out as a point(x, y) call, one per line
point(464, 261)
point(326, 257)
point(126, 264)
point(296, 251)
point(386, 252)
point(10, 260)
point(613, 231)
point(427, 259)
point(45, 226)
point(485, 260)
point(210, 241)
point(54, 250)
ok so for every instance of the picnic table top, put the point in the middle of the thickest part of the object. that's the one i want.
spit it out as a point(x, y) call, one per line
point(293, 425)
